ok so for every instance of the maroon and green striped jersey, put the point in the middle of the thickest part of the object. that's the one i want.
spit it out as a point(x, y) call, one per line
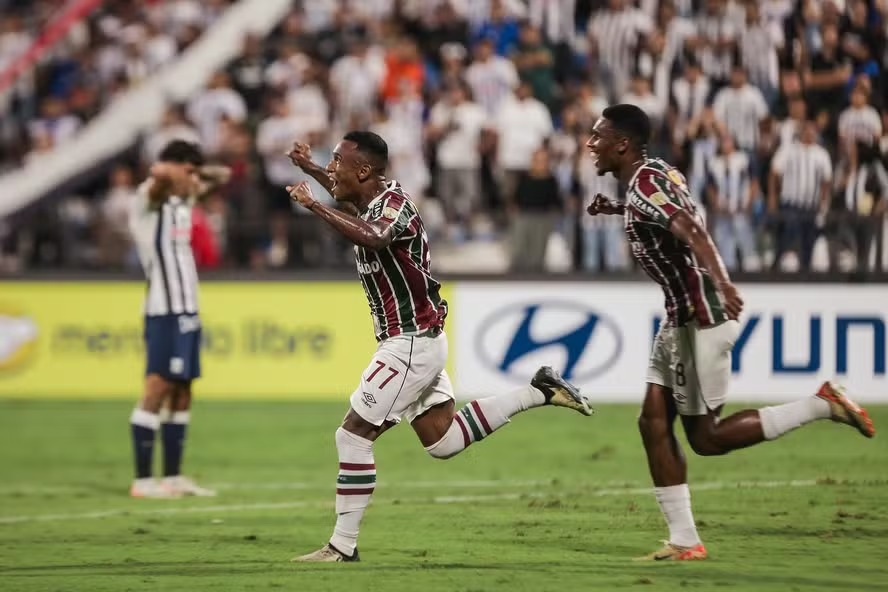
point(404, 297)
point(655, 194)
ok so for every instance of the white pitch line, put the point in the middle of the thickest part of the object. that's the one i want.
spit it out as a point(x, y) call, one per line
point(452, 499)
point(34, 489)
point(222, 509)
point(405, 484)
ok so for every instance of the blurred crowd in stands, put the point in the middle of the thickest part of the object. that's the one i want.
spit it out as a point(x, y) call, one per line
point(775, 110)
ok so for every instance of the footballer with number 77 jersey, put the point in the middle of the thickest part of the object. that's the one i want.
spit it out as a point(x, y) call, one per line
point(405, 379)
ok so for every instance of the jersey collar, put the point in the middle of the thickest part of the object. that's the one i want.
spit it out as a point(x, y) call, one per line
point(390, 186)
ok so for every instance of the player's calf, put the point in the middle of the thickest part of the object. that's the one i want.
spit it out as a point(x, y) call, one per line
point(482, 417)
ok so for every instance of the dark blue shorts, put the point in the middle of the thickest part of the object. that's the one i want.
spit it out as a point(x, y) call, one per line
point(172, 344)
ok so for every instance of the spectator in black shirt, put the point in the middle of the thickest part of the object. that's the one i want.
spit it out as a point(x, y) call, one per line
point(248, 73)
point(827, 77)
point(862, 42)
point(534, 214)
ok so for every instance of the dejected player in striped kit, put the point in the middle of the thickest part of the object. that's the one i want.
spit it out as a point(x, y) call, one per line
point(406, 379)
point(160, 223)
point(690, 365)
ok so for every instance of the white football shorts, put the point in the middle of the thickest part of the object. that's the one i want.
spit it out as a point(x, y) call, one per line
point(405, 378)
point(695, 363)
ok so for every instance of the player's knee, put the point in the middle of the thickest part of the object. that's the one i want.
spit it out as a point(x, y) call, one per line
point(346, 440)
point(157, 390)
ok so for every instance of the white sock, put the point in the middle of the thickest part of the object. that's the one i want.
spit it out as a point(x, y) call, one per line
point(482, 417)
point(780, 419)
point(354, 486)
point(146, 419)
point(675, 503)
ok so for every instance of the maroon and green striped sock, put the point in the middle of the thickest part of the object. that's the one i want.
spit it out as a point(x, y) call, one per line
point(354, 486)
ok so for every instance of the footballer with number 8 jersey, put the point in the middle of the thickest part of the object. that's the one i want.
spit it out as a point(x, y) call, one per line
point(405, 379)
point(690, 364)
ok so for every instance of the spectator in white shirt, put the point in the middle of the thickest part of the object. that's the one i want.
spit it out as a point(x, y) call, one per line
point(400, 124)
point(211, 106)
point(676, 30)
point(741, 107)
point(455, 128)
point(55, 123)
point(491, 77)
point(758, 51)
point(789, 129)
point(860, 122)
point(287, 70)
point(615, 34)
point(715, 41)
point(159, 47)
point(731, 190)
point(355, 79)
point(523, 124)
point(641, 95)
point(274, 138)
point(799, 191)
point(173, 126)
point(690, 93)
point(309, 100)
point(114, 237)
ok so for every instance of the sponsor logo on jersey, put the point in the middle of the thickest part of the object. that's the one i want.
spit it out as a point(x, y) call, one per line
point(577, 341)
point(644, 207)
point(189, 324)
point(376, 210)
point(371, 267)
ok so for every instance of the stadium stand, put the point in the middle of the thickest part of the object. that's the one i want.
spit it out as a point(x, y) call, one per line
point(466, 93)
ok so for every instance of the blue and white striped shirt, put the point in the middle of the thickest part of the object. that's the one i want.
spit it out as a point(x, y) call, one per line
point(729, 175)
point(162, 234)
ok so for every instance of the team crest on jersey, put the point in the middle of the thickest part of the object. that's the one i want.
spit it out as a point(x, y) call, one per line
point(676, 177)
point(390, 213)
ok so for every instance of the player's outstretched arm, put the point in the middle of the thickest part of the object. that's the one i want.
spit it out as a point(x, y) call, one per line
point(602, 205)
point(300, 156)
point(689, 230)
point(371, 235)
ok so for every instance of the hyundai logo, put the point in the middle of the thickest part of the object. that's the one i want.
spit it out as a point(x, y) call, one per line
point(573, 339)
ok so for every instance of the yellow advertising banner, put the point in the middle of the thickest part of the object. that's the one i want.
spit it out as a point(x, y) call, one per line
point(260, 340)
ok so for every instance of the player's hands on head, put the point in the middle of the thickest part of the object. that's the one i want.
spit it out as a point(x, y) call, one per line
point(732, 299)
point(216, 173)
point(300, 154)
point(601, 205)
point(161, 171)
point(301, 194)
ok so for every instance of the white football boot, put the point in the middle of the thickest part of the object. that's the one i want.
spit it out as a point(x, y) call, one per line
point(150, 488)
point(186, 486)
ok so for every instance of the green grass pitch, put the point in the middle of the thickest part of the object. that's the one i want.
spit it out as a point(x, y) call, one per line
point(554, 501)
